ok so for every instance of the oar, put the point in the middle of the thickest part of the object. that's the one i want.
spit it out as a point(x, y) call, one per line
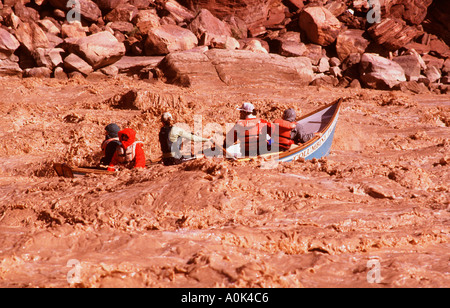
point(227, 154)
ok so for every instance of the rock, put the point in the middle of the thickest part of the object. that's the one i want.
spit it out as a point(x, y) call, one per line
point(287, 48)
point(392, 33)
point(123, 12)
point(314, 53)
point(108, 5)
point(234, 67)
point(38, 72)
point(141, 4)
point(324, 80)
point(335, 62)
point(59, 73)
point(74, 63)
point(10, 68)
point(433, 74)
point(220, 41)
point(110, 70)
point(336, 71)
point(355, 84)
point(412, 86)
point(178, 12)
point(253, 12)
point(146, 20)
point(48, 57)
point(88, 9)
point(439, 47)
point(324, 65)
point(169, 38)
point(31, 36)
point(296, 4)
point(121, 26)
point(350, 41)
point(48, 26)
point(411, 66)
point(99, 49)
point(238, 27)
point(380, 73)
point(412, 11)
point(446, 67)
point(320, 25)
point(8, 44)
point(205, 22)
point(255, 45)
point(336, 7)
point(133, 65)
point(74, 29)
point(429, 60)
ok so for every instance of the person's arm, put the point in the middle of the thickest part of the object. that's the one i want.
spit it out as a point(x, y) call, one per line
point(299, 134)
point(109, 153)
point(179, 132)
point(140, 157)
point(114, 161)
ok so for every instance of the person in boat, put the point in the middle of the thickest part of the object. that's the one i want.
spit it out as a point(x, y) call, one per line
point(290, 132)
point(251, 131)
point(130, 152)
point(110, 144)
point(171, 137)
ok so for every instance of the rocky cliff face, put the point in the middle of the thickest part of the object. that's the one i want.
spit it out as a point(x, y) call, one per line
point(43, 38)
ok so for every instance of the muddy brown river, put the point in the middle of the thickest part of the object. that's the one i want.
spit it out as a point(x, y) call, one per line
point(374, 213)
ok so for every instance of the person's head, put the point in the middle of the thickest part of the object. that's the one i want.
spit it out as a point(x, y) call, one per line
point(111, 130)
point(289, 115)
point(246, 110)
point(166, 118)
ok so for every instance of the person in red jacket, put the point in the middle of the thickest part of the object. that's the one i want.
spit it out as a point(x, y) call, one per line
point(250, 131)
point(282, 137)
point(290, 132)
point(130, 154)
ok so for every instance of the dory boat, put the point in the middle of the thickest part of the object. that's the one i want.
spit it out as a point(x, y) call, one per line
point(322, 120)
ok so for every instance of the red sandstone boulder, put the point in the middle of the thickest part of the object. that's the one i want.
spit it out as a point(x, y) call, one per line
point(380, 73)
point(31, 36)
point(392, 33)
point(320, 25)
point(99, 49)
point(350, 41)
point(88, 9)
point(252, 12)
point(205, 22)
point(108, 5)
point(74, 63)
point(234, 67)
point(8, 44)
point(169, 38)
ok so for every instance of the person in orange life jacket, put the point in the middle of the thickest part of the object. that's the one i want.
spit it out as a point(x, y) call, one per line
point(250, 131)
point(290, 132)
point(130, 153)
point(110, 143)
point(171, 138)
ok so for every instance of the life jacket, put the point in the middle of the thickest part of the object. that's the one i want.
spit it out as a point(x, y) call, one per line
point(283, 136)
point(127, 155)
point(107, 141)
point(249, 132)
point(167, 146)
